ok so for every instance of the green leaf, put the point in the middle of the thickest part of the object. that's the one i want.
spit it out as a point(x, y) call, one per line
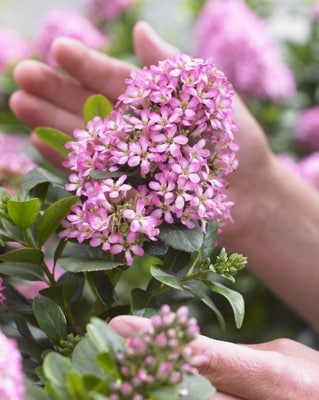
point(209, 239)
point(164, 277)
point(23, 255)
point(23, 213)
point(164, 393)
point(104, 337)
point(52, 218)
point(80, 265)
point(75, 386)
point(234, 298)
point(104, 287)
point(38, 176)
point(26, 271)
point(96, 105)
point(54, 138)
point(84, 358)
point(56, 367)
point(143, 304)
point(181, 237)
point(198, 290)
point(33, 391)
point(50, 318)
point(196, 387)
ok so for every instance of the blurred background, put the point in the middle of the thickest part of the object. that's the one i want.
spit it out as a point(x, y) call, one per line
point(269, 51)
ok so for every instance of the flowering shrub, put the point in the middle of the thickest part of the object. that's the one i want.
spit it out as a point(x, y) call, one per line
point(147, 190)
point(242, 46)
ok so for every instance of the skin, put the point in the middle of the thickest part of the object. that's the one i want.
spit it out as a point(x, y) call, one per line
point(276, 215)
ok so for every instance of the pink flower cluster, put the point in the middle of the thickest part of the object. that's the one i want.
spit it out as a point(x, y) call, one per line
point(159, 356)
point(307, 129)
point(13, 48)
point(241, 45)
point(316, 10)
point(107, 10)
point(13, 162)
point(11, 374)
point(162, 155)
point(62, 22)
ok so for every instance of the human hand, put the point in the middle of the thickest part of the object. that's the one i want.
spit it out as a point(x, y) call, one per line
point(281, 369)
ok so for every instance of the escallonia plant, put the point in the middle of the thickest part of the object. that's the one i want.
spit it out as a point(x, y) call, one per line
point(132, 227)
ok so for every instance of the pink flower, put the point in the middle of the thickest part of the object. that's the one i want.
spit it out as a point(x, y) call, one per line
point(165, 158)
point(13, 48)
point(241, 46)
point(316, 10)
point(59, 22)
point(309, 169)
point(307, 129)
point(106, 10)
point(11, 374)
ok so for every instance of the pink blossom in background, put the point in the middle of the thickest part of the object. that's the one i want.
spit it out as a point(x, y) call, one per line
point(316, 10)
point(307, 129)
point(67, 23)
point(2, 289)
point(307, 168)
point(14, 163)
point(11, 374)
point(13, 48)
point(31, 289)
point(107, 10)
point(241, 45)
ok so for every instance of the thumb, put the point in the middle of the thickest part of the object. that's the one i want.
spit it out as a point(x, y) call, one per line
point(127, 325)
point(149, 47)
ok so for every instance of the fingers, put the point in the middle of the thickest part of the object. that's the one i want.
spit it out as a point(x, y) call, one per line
point(36, 111)
point(149, 47)
point(97, 72)
point(247, 372)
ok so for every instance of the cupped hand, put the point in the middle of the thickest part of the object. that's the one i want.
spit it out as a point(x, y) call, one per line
point(281, 369)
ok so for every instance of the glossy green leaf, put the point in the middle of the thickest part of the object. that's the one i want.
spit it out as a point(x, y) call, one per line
point(52, 218)
point(23, 213)
point(196, 387)
point(75, 386)
point(199, 291)
point(50, 318)
point(164, 393)
point(104, 287)
point(96, 105)
point(81, 265)
point(56, 368)
point(83, 358)
point(33, 391)
point(104, 337)
point(234, 298)
point(38, 176)
point(166, 278)
point(27, 255)
point(181, 237)
point(26, 271)
point(142, 303)
point(54, 138)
